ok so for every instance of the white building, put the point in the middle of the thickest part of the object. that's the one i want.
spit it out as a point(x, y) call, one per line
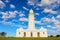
point(31, 31)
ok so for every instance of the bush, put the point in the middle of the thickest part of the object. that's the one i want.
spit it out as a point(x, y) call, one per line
point(2, 34)
point(57, 35)
point(51, 36)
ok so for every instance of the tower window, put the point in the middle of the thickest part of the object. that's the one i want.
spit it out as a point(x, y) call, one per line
point(19, 32)
point(24, 34)
point(38, 34)
point(43, 32)
point(31, 34)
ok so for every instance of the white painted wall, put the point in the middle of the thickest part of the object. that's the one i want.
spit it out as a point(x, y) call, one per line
point(20, 35)
point(43, 35)
point(31, 28)
point(34, 34)
point(28, 34)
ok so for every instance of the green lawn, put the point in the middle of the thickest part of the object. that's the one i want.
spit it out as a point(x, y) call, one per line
point(12, 38)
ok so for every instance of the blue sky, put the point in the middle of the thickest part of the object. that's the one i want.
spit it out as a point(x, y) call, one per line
point(14, 14)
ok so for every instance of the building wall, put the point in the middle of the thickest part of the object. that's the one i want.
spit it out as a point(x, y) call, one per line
point(20, 34)
point(43, 34)
point(34, 34)
point(28, 34)
point(31, 24)
point(31, 32)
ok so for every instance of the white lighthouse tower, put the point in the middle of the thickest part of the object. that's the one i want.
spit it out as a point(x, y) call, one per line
point(31, 31)
point(31, 24)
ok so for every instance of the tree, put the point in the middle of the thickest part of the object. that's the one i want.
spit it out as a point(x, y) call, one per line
point(3, 34)
point(0, 34)
point(57, 35)
point(51, 36)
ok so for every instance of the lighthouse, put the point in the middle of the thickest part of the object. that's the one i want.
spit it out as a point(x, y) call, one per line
point(31, 21)
point(31, 31)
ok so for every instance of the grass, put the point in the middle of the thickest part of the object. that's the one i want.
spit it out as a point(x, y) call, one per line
point(14, 38)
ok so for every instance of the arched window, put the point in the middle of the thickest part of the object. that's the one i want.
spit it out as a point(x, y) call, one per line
point(38, 34)
point(24, 34)
point(31, 34)
point(43, 32)
point(19, 32)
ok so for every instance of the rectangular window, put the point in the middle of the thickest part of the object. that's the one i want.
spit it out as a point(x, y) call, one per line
point(19, 32)
point(38, 34)
point(31, 34)
point(24, 34)
point(43, 32)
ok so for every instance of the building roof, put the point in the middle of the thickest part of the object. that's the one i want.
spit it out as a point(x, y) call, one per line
point(42, 28)
point(31, 11)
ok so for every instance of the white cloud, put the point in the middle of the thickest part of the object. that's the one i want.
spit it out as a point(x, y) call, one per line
point(54, 32)
point(58, 26)
point(50, 11)
point(58, 16)
point(37, 14)
point(25, 8)
point(23, 19)
point(54, 27)
point(49, 26)
point(38, 22)
point(44, 2)
point(2, 4)
point(37, 9)
point(16, 11)
point(6, 1)
point(53, 19)
point(22, 22)
point(12, 6)
point(58, 1)
point(39, 4)
point(50, 2)
point(4, 15)
point(9, 14)
point(12, 14)
point(21, 15)
point(7, 22)
point(14, 20)
point(32, 2)
point(56, 22)
point(10, 23)
point(47, 10)
point(46, 20)
point(43, 20)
